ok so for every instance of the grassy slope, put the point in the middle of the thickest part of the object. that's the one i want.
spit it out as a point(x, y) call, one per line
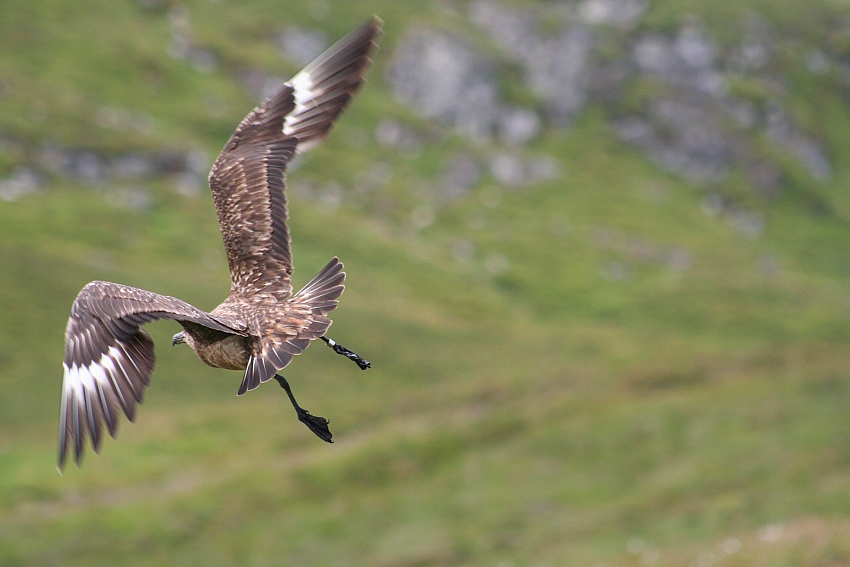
point(540, 415)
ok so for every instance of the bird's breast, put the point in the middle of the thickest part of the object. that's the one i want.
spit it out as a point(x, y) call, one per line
point(231, 353)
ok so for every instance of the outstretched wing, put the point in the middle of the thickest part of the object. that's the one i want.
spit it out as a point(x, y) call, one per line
point(248, 178)
point(109, 358)
point(304, 317)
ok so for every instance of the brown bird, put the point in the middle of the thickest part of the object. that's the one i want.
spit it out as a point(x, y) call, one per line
point(261, 325)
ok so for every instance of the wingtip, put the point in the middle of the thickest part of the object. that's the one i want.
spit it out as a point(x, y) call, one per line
point(376, 21)
point(376, 25)
point(63, 450)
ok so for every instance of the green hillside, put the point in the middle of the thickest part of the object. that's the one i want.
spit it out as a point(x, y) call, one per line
point(618, 358)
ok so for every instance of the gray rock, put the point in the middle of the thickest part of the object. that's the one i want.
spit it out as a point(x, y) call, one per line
point(301, 46)
point(515, 30)
point(393, 134)
point(23, 181)
point(614, 13)
point(694, 48)
point(555, 65)
point(187, 169)
point(182, 47)
point(132, 166)
point(682, 137)
point(782, 130)
point(713, 204)
point(187, 184)
point(510, 170)
point(461, 175)
point(818, 63)
point(89, 167)
point(518, 126)
point(766, 178)
point(445, 79)
point(688, 60)
point(743, 112)
point(557, 72)
point(749, 223)
point(756, 50)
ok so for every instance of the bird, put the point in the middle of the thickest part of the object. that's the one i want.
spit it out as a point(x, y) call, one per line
point(261, 325)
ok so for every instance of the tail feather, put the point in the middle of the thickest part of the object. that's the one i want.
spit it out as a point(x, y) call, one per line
point(327, 285)
point(315, 300)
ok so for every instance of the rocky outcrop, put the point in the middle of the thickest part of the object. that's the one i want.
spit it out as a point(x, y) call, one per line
point(120, 174)
point(554, 65)
point(447, 80)
point(571, 54)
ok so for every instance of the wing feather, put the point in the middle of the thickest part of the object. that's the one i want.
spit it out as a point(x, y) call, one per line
point(248, 178)
point(109, 359)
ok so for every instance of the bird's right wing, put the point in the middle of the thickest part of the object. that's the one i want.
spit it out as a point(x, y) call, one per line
point(109, 358)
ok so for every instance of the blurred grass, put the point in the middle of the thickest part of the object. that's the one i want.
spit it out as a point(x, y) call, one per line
point(546, 415)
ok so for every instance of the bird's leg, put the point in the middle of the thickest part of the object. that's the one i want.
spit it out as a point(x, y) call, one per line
point(339, 349)
point(318, 425)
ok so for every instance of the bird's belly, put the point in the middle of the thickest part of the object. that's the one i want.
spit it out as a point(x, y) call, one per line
point(231, 353)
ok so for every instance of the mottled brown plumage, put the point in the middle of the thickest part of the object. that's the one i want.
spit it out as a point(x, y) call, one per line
point(260, 326)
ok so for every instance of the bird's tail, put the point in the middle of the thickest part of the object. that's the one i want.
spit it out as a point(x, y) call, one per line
point(307, 316)
point(323, 291)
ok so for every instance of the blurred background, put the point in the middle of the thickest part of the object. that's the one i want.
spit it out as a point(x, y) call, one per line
point(597, 252)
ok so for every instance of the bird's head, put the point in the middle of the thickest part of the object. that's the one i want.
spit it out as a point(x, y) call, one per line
point(179, 338)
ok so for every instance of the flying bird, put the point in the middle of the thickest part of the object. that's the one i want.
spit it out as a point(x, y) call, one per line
point(261, 324)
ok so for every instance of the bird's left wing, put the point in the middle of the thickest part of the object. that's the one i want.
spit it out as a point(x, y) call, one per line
point(109, 358)
point(248, 178)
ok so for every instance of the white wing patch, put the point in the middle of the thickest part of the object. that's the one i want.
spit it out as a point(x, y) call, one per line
point(83, 380)
point(303, 91)
point(323, 89)
point(95, 393)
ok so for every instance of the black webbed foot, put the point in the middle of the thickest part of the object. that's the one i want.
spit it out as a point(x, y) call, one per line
point(316, 424)
point(339, 349)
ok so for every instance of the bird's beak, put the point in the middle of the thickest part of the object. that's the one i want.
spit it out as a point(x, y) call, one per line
point(178, 339)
